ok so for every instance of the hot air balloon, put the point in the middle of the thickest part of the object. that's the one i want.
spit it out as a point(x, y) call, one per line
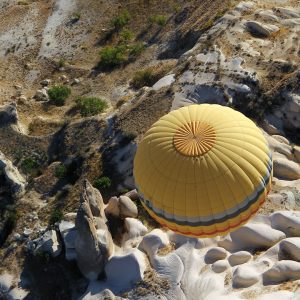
point(203, 170)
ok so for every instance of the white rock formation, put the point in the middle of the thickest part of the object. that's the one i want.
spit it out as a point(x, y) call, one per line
point(251, 236)
point(290, 248)
point(164, 82)
point(13, 177)
point(93, 243)
point(220, 266)
point(282, 271)
point(244, 276)
point(48, 243)
point(286, 221)
point(239, 258)
point(214, 254)
point(285, 169)
point(123, 271)
point(68, 233)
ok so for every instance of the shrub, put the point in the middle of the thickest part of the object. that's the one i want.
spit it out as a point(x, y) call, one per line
point(61, 171)
point(91, 106)
point(143, 78)
point(103, 182)
point(23, 2)
point(158, 19)
point(121, 20)
point(126, 35)
point(112, 56)
point(61, 63)
point(29, 165)
point(56, 216)
point(59, 94)
point(135, 50)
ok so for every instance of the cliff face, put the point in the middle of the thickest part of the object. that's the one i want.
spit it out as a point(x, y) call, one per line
point(136, 60)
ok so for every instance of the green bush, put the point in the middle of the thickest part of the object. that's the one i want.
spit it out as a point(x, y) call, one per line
point(121, 20)
point(113, 55)
point(103, 182)
point(90, 106)
point(126, 35)
point(158, 19)
point(60, 171)
point(59, 94)
point(56, 216)
point(61, 63)
point(143, 78)
point(135, 50)
point(29, 165)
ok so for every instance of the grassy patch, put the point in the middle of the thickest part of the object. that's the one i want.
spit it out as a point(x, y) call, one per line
point(126, 35)
point(160, 20)
point(149, 76)
point(56, 216)
point(121, 20)
point(90, 106)
point(103, 182)
point(136, 49)
point(59, 94)
point(111, 56)
point(29, 165)
point(60, 171)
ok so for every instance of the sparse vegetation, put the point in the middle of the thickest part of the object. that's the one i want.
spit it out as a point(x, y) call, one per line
point(149, 76)
point(90, 106)
point(113, 55)
point(103, 182)
point(61, 171)
point(61, 63)
point(59, 94)
point(56, 216)
point(126, 35)
point(160, 20)
point(29, 165)
point(121, 20)
point(136, 49)
point(23, 2)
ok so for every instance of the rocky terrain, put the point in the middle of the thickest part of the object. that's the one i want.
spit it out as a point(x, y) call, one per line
point(71, 225)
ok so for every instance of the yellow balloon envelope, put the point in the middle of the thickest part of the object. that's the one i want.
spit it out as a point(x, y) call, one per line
point(203, 170)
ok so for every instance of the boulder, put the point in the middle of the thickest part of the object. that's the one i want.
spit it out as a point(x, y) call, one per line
point(124, 271)
point(133, 195)
point(94, 198)
point(8, 115)
point(244, 276)
point(41, 95)
point(48, 243)
point(251, 236)
point(290, 248)
point(127, 207)
point(113, 207)
point(153, 241)
point(284, 199)
point(282, 271)
point(220, 266)
point(296, 151)
point(68, 233)
point(134, 228)
point(214, 254)
point(281, 139)
point(239, 258)
point(45, 82)
point(260, 30)
point(285, 169)
point(13, 178)
point(278, 146)
point(164, 82)
point(93, 243)
point(287, 222)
